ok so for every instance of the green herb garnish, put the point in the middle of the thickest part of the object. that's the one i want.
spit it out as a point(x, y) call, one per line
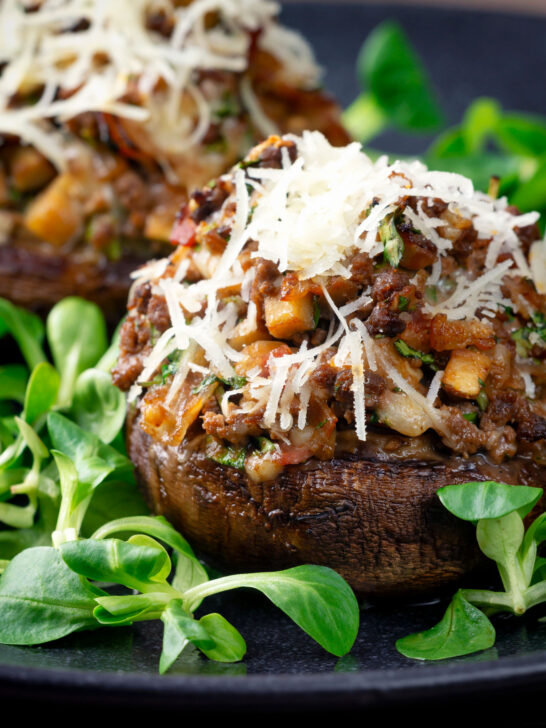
point(232, 457)
point(265, 445)
point(316, 311)
point(234, 382)
point(523, 337)
point(497, 510)
point(409, 351)
point(393, 245)
point(482, 400)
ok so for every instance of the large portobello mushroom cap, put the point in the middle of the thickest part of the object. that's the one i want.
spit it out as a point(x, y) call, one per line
point(379, 523)
point(91, 180)
point(313, 412)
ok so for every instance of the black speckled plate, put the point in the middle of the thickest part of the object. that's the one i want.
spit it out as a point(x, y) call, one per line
point(469, 54)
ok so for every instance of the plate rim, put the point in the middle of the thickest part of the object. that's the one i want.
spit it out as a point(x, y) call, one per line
point(364, 688)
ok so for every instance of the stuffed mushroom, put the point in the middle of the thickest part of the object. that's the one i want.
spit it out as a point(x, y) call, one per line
point(333, 340)
point(111, 111)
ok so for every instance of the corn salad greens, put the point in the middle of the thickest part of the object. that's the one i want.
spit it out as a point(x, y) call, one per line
point(71, 517)
point(498, 511)
point(503, 152)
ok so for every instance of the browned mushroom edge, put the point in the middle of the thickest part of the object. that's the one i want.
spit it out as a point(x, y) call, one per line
point(377, 521)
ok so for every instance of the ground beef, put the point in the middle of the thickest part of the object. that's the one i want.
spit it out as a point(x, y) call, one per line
point(509, 407)
point(127, 371)
point(140, 298)
point(433, 208)
point(361, 269)
point(374, 386)
point(384, 322)
point(158, 313)
point(501, 442)
point(463, 245)
point(271, 156)
point(266, 281)
point(208, 200)
point(531, 427)
point(528, 235)
point(387, 283)
point(132, 191)
point(503, 407)
point(463, 437)
point(235, 429)
point(323, 378)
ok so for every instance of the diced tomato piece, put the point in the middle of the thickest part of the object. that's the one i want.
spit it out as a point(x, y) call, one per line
point(295, 455)
point(276, 353)
point(183, 232)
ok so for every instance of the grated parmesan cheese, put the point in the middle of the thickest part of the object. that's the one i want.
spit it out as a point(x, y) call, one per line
point(97, 65)
point(310, 216)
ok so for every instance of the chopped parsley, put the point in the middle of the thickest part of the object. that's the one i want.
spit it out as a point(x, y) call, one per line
point(431, 293)
point(403, 303)
point(316, 311)
point(230, 456)
point(265, 446)
point(166, 371)
point(251, 213)
point(393, 245)
point(483, 400)
point(527, 336)
point(409, 351)
point(509, 311)
point(228, 108)
point(245, 163)
point(235, 382)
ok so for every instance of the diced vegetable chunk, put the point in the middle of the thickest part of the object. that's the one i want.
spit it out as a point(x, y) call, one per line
point(247, 332)
point(465, 373)
point(286, 318)
point(397, 411)
point(29, 169)
point(256, 355)
point(55, 215)
point(446, 335)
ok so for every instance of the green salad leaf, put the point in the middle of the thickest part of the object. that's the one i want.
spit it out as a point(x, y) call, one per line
point(76, 332)
point(397, 90)
point(97, 405)
point(498, 510)
point(463, 629)
point(41, 599)
point(27, 330)
point(488, 499)
point(315, 597)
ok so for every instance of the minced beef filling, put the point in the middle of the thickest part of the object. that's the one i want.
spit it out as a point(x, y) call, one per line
point(499, 418)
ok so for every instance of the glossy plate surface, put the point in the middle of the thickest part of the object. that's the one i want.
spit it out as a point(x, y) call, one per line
point(469, 54)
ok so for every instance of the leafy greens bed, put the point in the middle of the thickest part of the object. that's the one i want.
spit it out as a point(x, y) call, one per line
point(72, 522)
point(488, 143)
point(63, 455)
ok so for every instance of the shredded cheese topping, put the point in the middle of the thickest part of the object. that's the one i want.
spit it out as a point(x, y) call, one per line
point(113, 49)
point(310, 217)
